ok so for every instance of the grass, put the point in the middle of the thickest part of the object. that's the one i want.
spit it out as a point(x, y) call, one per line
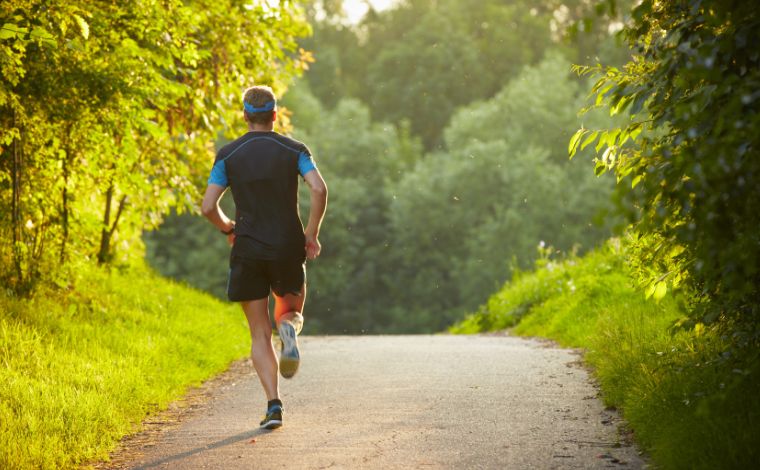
point(690, 396)
point(82, 366)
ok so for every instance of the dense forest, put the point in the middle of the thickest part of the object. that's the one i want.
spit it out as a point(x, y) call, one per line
point(441, 128)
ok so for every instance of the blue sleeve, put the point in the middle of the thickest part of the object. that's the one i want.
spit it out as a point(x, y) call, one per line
point(219, 174)
point(305, 163)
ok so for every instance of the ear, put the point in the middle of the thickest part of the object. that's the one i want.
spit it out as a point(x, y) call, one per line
point(274, 115)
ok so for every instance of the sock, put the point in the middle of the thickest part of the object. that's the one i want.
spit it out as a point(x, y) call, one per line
point(271, 403)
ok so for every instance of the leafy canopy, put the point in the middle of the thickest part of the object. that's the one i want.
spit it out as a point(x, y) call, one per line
point(108, 112)
point(690, 149)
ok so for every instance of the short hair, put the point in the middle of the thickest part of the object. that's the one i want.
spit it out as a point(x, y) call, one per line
point(258, 96)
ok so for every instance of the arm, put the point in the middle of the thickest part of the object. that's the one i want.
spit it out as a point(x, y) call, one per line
point(318, 190)
point(211, 210)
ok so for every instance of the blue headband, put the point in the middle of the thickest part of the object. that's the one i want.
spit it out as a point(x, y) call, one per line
point(249, 108)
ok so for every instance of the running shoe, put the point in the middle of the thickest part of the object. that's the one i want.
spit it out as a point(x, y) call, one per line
point(289, 356)
point(273, 418)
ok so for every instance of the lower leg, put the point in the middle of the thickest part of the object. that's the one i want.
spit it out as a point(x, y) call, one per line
point(290, 308)
point(262, 350)
point(289, 323)
point(295, 319)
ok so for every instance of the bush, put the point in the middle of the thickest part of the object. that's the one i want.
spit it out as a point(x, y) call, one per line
point(690, 396)
point(692, 94)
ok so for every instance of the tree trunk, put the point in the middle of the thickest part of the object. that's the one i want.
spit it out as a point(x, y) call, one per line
point(16, 206)
point(105, 233)
point(65, 204)
point(104, 255)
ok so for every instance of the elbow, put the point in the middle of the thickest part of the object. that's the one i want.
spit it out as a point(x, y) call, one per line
point(207, 209)
point(320, 191)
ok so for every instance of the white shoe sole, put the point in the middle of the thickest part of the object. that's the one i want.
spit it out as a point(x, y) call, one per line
point(289, 355)
point(274, 424)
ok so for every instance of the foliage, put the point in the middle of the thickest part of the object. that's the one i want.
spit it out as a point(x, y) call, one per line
point(425, 233)
point(428, 232)
point(360, 160)
point(422, 59)
point(689, 396)
point(690, 149)
point(107, 111)
point(402, 75)
point(83, 366)
point(503, 185)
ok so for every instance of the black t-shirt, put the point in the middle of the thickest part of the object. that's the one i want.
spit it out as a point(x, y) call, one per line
point(262, 169)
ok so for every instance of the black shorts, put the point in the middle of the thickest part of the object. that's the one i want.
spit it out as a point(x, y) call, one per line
point(254, 279)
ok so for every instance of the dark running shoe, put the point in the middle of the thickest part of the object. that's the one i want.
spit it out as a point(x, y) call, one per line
point(273, 419)
point(289, 356)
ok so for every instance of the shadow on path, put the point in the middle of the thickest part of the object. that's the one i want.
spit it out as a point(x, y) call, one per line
point(214, 445)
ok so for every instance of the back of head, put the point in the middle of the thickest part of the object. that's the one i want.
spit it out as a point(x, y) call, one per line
point(259, 104)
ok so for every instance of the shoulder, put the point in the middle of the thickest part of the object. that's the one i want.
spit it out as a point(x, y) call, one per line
point(227, 150)
point(295, 145)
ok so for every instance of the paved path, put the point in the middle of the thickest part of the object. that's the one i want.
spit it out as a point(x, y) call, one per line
point(453, 402)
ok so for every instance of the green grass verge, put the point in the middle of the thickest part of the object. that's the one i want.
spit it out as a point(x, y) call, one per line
point(692, 398)
point(81, 367)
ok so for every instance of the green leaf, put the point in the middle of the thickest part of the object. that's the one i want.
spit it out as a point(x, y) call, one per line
point(623, 135)
point(635, 131)
point(638, 103)
point(602, 92)
point(661, 288)
point(10, 30)
point(636, 180)
point(84, 28)
point(612, 137)
point(602, 140)
point(620, 106)
point(650, 290)
point(572, 147)
point(42, 35)
point(591, 137)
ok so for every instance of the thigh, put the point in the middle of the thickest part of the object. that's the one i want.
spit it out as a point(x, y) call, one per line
point(248, 280)
point(286, 277)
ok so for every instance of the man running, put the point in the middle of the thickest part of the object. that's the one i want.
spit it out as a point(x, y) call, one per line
point(269, 243)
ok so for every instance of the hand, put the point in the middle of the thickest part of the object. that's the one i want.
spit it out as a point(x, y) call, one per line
point(312, 247)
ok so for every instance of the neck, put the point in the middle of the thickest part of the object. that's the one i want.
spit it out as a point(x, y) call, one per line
point(260, 127)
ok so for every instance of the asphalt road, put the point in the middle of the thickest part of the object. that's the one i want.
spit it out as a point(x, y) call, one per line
point(453, 402)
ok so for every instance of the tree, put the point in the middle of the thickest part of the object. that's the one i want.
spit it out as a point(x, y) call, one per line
point(107, 114)
point(690, 149)
point(359, 160)
point(426, 77)
point(412, 239)
point(421, 59)
point(502, 186)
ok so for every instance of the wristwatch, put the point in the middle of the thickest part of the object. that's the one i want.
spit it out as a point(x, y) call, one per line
point(230, 231)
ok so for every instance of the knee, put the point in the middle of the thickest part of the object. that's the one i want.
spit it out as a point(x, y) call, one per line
point(261, 334)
